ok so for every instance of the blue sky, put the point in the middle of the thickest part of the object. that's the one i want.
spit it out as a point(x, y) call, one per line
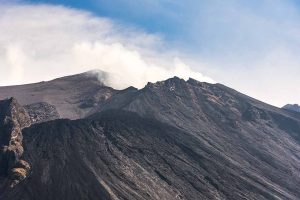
point(252, 46)
point(232, 31)
point(195, 24)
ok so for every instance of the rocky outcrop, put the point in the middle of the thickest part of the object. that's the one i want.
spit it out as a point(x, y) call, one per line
point(292, 107)
point(13, 118)
point(41, 112)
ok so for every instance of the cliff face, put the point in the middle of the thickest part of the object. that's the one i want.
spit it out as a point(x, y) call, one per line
point(13, 118)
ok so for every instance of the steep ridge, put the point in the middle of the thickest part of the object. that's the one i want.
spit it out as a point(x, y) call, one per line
point(257, 138)
point(13, 118)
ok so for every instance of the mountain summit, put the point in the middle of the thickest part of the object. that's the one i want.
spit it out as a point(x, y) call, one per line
point(71, 96)
point(172, 139)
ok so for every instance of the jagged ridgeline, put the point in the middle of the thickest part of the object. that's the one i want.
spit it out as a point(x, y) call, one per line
point(13, 118)
point(173, 139)
point(292, 107)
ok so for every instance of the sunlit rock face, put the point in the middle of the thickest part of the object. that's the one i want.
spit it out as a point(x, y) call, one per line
point(13, 118)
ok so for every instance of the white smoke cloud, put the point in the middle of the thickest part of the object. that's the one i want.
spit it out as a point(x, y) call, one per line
point(41, 42)
point(15, 59)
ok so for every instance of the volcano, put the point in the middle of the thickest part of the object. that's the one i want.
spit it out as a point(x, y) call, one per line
point(76, 138)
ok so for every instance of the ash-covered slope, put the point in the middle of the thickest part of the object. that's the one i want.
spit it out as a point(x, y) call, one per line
point(116, 155)
point(119, 155)
point(260, 140)
point(292, 107)
point(72, 96)
point(173, 139)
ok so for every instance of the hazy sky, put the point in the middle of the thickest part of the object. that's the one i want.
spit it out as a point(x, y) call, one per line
point(252, 46)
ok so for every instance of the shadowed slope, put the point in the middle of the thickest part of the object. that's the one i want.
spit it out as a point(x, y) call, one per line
point(119, 155)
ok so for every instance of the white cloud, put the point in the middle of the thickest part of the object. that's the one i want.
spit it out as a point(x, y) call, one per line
point(253, 46)
point(15, 59)
point(128, 65)
point(250, 46)
point(41, 42)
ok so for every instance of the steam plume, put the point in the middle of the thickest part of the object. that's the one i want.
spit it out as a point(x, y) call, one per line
point(42, 42)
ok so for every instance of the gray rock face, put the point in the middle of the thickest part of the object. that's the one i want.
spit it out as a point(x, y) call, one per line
point(173, 139)
point(13, 118)
point(41, 112)
point(292, 107)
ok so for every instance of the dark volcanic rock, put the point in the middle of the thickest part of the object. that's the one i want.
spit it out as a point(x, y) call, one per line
point(41, 112)
point(13, 118)
point(292, 107)
point(173, 139)
point(109, 157)
point(119, 155)
point(231, 127)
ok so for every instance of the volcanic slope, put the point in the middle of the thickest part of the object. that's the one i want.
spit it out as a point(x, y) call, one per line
point(292, 107)
point(260, 139)
point(172, 139)
point(120, 155)
point(72, 96)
